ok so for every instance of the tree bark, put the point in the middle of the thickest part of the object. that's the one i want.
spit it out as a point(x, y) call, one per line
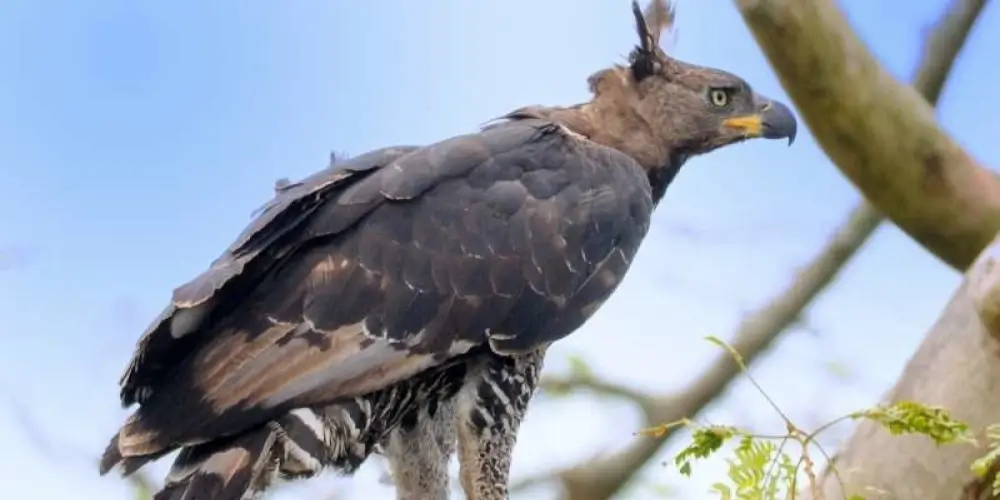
point(957, 367)
point(915, 173)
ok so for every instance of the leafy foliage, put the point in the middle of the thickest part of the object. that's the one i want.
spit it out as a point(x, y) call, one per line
point(761, 469)
point(758, 470)
point(908, 417)
point(705, 441)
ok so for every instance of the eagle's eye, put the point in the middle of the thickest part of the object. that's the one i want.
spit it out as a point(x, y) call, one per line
point(719, 97)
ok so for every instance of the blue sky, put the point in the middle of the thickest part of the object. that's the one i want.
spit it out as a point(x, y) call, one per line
point(137, 137)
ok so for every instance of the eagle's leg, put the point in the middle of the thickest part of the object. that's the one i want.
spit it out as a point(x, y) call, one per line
point(490, 407)
point(419, 450)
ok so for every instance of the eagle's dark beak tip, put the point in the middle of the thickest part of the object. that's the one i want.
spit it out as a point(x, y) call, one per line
point(779, 122)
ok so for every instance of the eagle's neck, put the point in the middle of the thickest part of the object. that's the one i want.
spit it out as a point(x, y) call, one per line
point(615, 126)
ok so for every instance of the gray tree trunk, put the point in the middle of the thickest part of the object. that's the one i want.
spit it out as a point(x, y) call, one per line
point(957, 367)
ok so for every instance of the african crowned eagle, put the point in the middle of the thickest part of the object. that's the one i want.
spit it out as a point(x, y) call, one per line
point(402, 301)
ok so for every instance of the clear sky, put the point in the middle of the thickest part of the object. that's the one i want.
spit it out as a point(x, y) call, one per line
point(137, 137)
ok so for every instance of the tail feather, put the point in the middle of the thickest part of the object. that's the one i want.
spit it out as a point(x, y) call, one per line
point(113, 456)
point(132, 464)
point(239, 468)
point(298, 444)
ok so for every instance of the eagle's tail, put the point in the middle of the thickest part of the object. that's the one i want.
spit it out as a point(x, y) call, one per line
point(237, 468)
point(240, 467)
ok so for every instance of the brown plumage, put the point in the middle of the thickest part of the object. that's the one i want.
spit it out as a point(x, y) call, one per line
point(404, 299)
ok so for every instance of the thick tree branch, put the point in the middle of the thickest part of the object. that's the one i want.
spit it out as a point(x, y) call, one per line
point(602, 478)
point(915, 173)
point(984, 290)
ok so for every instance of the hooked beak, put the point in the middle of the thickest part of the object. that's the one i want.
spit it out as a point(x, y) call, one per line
point(773, 121)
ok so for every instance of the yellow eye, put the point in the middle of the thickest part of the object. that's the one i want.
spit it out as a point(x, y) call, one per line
point(719, 97)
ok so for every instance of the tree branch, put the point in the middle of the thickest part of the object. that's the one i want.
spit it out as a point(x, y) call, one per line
point(984, 290)
point(602, 478)
point(645, 401)
point(915, 173)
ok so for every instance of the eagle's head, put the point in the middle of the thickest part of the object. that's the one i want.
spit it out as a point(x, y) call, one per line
point(707, 108)
point(662, 110)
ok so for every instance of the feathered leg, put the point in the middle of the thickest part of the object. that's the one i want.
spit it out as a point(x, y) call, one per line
point(490, 407)
point(420, 449)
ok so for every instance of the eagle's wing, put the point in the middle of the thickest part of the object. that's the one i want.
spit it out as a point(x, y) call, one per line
point(509, 238)
point(168, 339)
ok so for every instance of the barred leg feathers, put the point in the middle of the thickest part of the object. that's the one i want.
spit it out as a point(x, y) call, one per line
point(490, 407)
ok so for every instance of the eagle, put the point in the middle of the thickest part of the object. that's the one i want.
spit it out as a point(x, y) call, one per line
point(401, 302)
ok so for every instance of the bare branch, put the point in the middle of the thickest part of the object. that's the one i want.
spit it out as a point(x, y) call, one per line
point(943, 45)
point(646, 402)
point(915, 173)
point(602, 478)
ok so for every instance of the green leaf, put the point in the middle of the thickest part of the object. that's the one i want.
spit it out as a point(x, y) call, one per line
point(909, 417)
point(704, 442)
point(757, 471)
point(725, 492)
